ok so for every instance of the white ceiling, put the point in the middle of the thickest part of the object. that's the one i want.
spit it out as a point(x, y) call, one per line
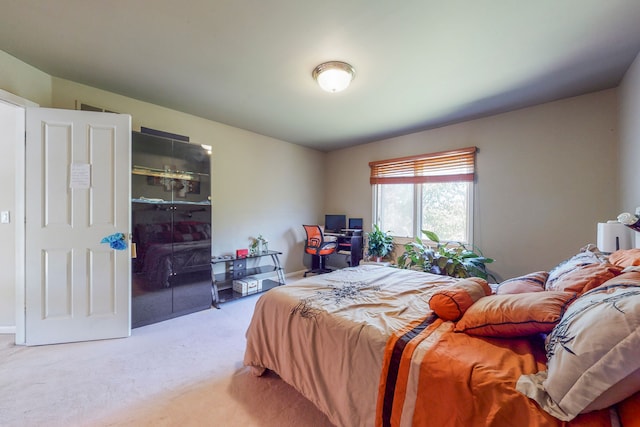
point(247, 63)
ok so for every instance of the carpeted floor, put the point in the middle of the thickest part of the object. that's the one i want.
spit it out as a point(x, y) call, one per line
point(182, 372)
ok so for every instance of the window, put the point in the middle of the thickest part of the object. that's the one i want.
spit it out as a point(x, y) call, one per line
point(426, 192)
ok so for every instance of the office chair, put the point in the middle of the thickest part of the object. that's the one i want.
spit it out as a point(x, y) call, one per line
point(316, 244)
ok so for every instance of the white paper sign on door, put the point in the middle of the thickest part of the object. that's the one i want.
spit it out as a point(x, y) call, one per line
point(80, 176)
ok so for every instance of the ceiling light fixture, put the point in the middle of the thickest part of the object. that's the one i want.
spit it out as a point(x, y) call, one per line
point(334, 76)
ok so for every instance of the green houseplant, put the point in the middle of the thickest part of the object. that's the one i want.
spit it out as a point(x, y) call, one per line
point(380, 243)
point(456, 261)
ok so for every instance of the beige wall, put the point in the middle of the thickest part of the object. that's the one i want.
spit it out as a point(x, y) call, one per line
point(11, 125)
point(260, 185)
point(20, 79)
point(24, 80)
point(545, 176)
point(630, 138)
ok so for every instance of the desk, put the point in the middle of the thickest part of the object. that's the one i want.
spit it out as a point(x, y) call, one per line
point(349, 246)
point(236, 268)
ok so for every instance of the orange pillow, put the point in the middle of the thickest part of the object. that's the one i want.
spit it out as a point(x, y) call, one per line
point(625, 257)
point(631, 278)
point(576, 262)
point(586, 278)
point(451, 303)
point(629, 409)
point(515, 315)
point(532, 282)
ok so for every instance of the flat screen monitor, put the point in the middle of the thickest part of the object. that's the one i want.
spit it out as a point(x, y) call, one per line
point(355, 223)
point(335, 223)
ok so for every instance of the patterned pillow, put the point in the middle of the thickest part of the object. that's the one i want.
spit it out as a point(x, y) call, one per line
point(204, 229)
point(182, 227)
point(185, 231)
point(532, 282)
point(592, 353)
point(452, 302)
point(153, 233)
point(185, 237)
point(581, 259)
point(584, 278)
point(625, 257)
point(515, 315)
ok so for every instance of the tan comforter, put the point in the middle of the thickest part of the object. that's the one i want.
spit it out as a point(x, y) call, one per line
point(327, 336)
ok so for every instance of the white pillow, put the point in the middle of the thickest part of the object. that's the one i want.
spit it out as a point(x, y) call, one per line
point(593, 352)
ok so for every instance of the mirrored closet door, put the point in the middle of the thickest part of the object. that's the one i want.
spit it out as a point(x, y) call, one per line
point(171, 224)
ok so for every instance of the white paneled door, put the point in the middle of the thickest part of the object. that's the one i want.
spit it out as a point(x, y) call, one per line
point(77, 193)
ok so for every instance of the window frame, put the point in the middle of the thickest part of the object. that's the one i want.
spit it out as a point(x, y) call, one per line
point(451, 172)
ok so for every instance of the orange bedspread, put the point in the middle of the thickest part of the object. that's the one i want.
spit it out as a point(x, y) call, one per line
point(332, 337)
point(434, 377)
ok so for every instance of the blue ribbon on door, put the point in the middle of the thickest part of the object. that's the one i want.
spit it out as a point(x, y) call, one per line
point(116, 241)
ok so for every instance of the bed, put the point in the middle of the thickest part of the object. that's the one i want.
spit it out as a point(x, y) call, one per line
point(380, 346)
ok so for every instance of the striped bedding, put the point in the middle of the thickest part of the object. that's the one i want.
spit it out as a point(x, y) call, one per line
point(363, 345)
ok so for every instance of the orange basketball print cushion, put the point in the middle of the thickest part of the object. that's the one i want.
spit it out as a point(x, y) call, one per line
point(452, 302)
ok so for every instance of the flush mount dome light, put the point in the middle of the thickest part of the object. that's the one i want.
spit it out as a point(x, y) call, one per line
point(334, 76)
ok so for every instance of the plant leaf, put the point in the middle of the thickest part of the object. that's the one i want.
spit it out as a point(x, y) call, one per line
point(432, 236)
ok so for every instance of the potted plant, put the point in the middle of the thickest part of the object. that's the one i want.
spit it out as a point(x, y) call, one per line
point(380, 243)
point(448, 260)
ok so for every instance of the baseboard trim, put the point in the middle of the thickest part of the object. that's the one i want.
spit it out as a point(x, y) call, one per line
point(293, 275)
point(7, 329)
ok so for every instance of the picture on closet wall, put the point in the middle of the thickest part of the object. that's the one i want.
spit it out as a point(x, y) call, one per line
point(179, 187)
point(182, 187)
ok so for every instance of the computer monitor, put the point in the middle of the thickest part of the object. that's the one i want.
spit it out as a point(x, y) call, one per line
point(334, 223)
point(355, 223)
